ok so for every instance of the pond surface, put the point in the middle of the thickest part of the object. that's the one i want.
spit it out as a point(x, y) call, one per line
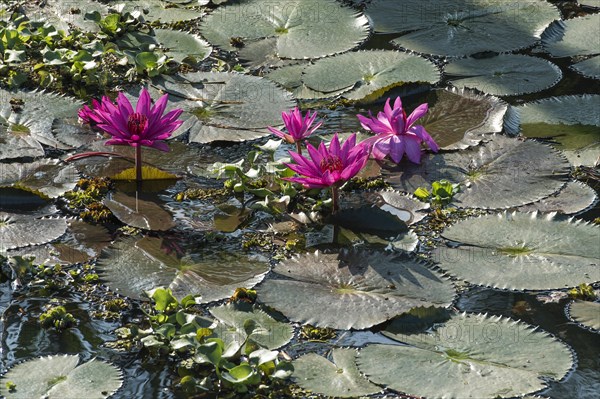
point(209, 232)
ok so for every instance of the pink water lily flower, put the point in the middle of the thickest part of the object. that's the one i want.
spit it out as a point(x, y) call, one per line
point(144, 126)
point(329, 167)
point(396, 134)
point(298, 127)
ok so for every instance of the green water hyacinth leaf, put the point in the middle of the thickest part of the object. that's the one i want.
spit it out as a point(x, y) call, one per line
point(521, 251)
point(577, 36)
point(225, 106)
point(353, 289)
point(571, 122)
point(503, 173)
point(576, 197)
point(340, 378)
point(301, 29)
point(137, 212)
point(474, 355)
point(459, 118)
point(133, 267)
point(586, 314)
point(504, 75)
point(242, 324)
point(59, 376)
point(48, 178)
point(18, 230)
point(368, 73)
point(462, 27)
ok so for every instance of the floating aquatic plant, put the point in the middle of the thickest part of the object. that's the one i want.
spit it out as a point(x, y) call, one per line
point(329, 166)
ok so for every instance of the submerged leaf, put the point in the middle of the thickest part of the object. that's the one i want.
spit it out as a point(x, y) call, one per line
point(504, 75)
point(301, 29)
point(138, 213)
point(133, 267)
point(522, 251)
point(353, 289)
point(502, 173)
point(339, 378)
point(476, 356)
point(462, 27)
point(59, 376)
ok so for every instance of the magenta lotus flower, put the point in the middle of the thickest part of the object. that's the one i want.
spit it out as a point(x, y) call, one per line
point(396, 134)
point(298, 127)
point(329, 167)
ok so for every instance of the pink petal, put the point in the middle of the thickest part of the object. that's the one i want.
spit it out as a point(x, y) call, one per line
point(423, 135)
point(418, 113)
point(413, 148)
point(381, 148)
point(397, 148)
point(143, 104)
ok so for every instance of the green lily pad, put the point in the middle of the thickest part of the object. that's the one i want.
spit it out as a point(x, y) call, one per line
point(18, 230)
point(458, 119)
point(290, 77)
point(368, 73)
point(165, 11)
point(241, 324)
point(353, 289)
point(301, 30)
point(48, 178)
point(462, 27)
point(571, 122)
point(64, 15)
point(521, 251)
point(133, 267)
point(225, 106)
point(577, 36)
point(589, 67)
point(504, 75)
point(474, 355)
point(183, 46)
point(586, 314)
point(59, 376)
point(503, 173)
point(138, 213)
point(340, 378)
point(576, 197)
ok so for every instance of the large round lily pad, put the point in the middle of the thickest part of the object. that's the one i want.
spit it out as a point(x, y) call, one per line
point(571, 122)
point(586, 314)
point(577, 36)
point(59, 376)
point(18, 230)
point(502, 173)
point(47, 178)
point(225, 106)
point(473, 355)
point(462, 27)
point(368, 72)
point(340, 378)
point(522, 251)
point(133, 267)
point(353, 289)
point(504, 75)
point(301, 29)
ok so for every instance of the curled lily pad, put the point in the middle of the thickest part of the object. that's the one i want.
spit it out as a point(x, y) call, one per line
point(569, 121)
point(48, 178)
point(504, 75)
point(353, 289)
point(340, 378)
point(242, 324)
point(476, 356)
point(586, 314)
point(522, 251)
point(21, 230)
point(137, 212)
point(225, 106)
point(301, 30)
point(577, 36)
point(368, 73)
point(462, 27)
point(576, 197)
point(133, 267)
point(59, 376)
point(502, 173)
point(459, 118)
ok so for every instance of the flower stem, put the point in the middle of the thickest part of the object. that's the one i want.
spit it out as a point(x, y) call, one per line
point(138, 163)
point(335, 198)
point(298, 148)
